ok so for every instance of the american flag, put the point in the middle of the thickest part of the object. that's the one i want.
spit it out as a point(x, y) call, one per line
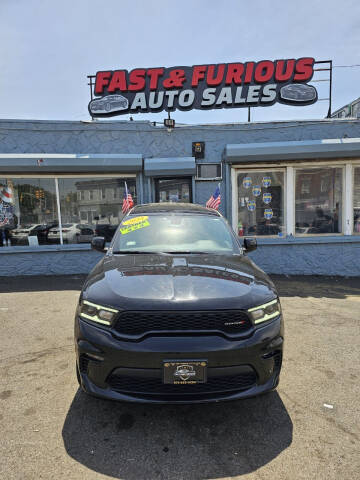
point(128, 201)
point(215, 199)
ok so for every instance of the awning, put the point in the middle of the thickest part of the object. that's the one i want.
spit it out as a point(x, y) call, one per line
point(174, 166)
point(70, 163)
point(294, 150)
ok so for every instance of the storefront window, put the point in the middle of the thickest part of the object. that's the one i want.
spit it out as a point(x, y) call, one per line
point(318, 201)
point(28, 211)
point(261, 203)
point(91, 206)
point(357, 200)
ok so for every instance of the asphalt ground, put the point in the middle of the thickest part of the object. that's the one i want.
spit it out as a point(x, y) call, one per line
point(307, 429)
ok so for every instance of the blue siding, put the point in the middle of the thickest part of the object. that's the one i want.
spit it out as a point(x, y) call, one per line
point(320, 256)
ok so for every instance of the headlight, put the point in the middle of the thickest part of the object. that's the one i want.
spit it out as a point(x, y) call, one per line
point(265, 312)
point(97, 313)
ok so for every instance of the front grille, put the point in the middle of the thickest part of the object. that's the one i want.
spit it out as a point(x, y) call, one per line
point(138, 323)
point(136, 385)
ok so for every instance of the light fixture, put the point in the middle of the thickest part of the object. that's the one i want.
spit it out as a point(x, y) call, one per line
point(169, 123)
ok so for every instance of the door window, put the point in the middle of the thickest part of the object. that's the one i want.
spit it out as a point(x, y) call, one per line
point(173, 190)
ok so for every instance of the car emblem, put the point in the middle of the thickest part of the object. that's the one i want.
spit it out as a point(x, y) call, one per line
point(184, 372)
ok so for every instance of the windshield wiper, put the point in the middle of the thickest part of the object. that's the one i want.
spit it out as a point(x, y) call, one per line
point(138, 252)
point(185, 252)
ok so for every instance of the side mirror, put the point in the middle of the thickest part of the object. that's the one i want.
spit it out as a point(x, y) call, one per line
point(250, 244)
point(98, 243)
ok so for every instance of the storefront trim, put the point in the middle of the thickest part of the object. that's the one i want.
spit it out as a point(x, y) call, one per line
point(70, 163)
point(292, 150)
point(171, 166)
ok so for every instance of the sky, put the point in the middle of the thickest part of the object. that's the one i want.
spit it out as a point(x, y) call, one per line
point(48, 47)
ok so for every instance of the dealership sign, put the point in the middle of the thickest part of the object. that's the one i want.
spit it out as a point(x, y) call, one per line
point(225, 85)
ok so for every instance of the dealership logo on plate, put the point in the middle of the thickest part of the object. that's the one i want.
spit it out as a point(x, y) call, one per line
point(184, 372)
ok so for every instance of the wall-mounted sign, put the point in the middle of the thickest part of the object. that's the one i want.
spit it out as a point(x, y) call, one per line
point(225, 85)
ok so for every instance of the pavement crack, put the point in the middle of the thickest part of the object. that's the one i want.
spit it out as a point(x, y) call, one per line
point(36, 355)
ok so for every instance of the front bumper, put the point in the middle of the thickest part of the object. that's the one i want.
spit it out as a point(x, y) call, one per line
point(132, 370)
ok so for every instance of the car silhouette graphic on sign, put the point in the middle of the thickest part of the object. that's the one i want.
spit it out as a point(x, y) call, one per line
point(108, 104)
point(298, 93)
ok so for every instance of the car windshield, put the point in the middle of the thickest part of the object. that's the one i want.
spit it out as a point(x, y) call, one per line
point(182, 233)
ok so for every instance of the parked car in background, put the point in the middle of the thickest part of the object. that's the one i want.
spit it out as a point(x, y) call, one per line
point(42, 232)
point(105, 230)
point(19, 236)
point(72, 233)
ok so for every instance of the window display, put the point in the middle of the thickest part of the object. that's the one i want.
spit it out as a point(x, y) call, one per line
point(318, 201)
point(27, 211)
point(261, 203)
point(89, 207)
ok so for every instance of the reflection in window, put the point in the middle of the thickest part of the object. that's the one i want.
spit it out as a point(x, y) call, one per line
point(28, 211)
point(173, 190)
point(261, 203)
point(96, 212)
point(357, 200)
point(318, 208)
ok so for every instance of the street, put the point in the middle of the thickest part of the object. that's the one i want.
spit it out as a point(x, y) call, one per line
point(307, 429)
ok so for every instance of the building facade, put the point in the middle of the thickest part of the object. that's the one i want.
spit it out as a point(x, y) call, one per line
point(293, 185)
point(351, 110)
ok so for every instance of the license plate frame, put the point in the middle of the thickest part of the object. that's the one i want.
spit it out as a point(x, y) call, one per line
point(184, 372)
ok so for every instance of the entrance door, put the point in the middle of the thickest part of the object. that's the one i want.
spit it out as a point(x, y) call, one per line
point(173, 189)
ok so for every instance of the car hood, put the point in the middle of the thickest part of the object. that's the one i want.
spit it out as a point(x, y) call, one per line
point(140, 282)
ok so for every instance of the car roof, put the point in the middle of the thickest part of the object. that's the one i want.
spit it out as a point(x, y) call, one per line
point(173, 207)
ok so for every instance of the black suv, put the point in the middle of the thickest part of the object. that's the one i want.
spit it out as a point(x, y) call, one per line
point(176, 312)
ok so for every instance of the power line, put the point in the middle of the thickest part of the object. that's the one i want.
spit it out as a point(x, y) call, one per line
point(346, 66)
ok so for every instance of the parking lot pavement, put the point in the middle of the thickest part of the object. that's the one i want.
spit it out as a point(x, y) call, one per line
point(308, 429)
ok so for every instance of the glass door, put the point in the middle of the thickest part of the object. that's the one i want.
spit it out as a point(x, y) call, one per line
point(173, 189)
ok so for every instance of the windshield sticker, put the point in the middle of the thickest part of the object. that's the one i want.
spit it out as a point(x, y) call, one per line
point(251, 205)
point(266, 181)
point(247, 182)
point(267, 197)
point(256, 190)
point(132, 226)
point(131, 221)
point(268, 213)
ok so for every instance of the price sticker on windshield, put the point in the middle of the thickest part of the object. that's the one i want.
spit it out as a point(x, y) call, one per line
point(134, 224)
